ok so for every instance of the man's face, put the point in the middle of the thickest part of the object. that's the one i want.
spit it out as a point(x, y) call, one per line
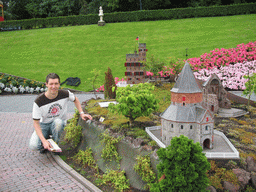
point(53, 85)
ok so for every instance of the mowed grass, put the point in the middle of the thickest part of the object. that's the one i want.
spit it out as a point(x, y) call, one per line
point(74, 51)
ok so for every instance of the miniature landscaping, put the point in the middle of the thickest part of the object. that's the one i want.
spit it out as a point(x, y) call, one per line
point(223, 174)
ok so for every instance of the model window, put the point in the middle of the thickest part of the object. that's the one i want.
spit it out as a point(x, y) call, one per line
point(191, 127)
point(206, 128)
point(171, 125)
point(181, 126)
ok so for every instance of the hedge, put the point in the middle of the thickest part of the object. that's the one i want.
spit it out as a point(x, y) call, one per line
point(144, 15)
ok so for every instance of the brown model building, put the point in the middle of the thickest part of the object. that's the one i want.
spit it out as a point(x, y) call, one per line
point(134, 67)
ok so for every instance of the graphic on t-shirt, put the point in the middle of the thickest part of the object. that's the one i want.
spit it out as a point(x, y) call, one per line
point(54, 110)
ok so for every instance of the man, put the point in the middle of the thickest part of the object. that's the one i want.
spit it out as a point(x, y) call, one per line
point(50, 113)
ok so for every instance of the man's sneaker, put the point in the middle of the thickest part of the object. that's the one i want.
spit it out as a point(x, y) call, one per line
point(56, 153)
point(42, 151)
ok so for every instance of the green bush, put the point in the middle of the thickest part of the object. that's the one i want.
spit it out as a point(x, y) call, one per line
point(182, 166)
point(144, 15)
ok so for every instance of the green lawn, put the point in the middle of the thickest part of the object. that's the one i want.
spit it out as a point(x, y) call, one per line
point(74, 51)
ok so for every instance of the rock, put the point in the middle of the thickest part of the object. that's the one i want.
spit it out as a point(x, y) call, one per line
point(211, 189)
point(253, 175)
point(147, 147)
point(243, 176)
point(155, 154)
point(137, 142)
point(251, 166)
point(230, 187)
point(128, 139)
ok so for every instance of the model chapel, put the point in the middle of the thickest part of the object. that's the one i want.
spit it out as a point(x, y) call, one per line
point(186, 115)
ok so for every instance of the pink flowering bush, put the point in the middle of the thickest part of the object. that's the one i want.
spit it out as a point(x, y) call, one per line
point(232, 76)
point(225, 57)
point(101, 88)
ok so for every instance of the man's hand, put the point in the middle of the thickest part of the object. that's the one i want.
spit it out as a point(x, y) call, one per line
point(85, 116)
point(47, 145)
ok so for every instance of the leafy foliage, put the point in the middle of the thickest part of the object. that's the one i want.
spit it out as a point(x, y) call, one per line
point(85, 158)
point(116, 178)
point(73, 131)
point(184, 166)
point(110, 150)
point(250, 87)
point(217, 175)
point(144, 169)
point(94, 80)
point(135, 101)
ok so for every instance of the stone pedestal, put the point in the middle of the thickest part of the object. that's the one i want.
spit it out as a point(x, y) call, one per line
point(101, 23)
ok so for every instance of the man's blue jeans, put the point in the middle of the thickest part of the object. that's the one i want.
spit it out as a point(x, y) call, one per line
point(54, 128)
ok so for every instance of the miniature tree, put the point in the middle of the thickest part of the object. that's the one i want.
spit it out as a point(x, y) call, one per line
point(153, 65)
point(94, 81)
point(250, 88)
point(135, 101)
point(109, 92)
point(183, 167)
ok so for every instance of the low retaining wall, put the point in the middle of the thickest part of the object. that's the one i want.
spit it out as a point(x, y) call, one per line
point(126, 149)
point(238, 99)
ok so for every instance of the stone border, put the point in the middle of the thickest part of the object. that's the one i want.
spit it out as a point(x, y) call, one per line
point(74, 174)
point(209, 155)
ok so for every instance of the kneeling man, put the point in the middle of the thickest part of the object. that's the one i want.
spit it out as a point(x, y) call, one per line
point(50, 114)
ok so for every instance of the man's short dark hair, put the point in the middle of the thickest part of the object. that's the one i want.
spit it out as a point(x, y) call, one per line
point(52, 76)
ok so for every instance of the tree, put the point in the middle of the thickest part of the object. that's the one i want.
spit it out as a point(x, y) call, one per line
point(33, 8)
point(182, 166)
point(250, 87)
point(94, 81)
point(153, 65)
point(135, 101)
point(110, 85)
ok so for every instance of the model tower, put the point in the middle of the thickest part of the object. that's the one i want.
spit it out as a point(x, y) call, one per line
point(186, 116)
point(134, 65)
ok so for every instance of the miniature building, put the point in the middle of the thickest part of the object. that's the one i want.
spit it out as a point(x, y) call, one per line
point(214, 94)
point(134, 66)
point(186, 115)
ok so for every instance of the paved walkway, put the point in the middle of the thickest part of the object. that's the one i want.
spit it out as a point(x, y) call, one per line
point(20, 168)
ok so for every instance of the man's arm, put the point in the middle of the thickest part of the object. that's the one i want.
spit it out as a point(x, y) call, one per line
point(79, 108)
point(46, 144)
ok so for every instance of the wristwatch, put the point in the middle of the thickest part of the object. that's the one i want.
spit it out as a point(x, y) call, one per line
point(81, 112)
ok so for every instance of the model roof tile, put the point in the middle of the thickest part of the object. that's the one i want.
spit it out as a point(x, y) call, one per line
point(187, 113)
point(186, 82)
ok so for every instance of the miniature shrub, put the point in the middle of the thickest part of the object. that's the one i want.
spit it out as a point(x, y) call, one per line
point(85, 158)
point(246, 137)
point(73, 131)
point(109, 151)
point(233, 133)
point(110, 85)
point(116, 178)
point(217, 175)
point(232, 164)
point(144, 169)
point(152, 143)
point(243, 122)
point(215, 181)
point(184, 166)
point(135, 101)
point(137, 132)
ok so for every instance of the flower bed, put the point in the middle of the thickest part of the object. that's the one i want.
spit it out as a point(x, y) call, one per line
point(225, 57)
point(232, 76)
point(13, 84)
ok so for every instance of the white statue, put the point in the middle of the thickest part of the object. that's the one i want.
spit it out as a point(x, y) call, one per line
point(101, 13)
